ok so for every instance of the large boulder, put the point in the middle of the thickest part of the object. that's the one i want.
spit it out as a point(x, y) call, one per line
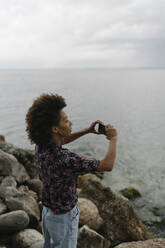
point(89, 214)
point(21, 199)
point(89, 238)
point(121, 223)
point(24, 156)
point(151, 243)
point(9, 166)
point(13, 221)
point(26, 238)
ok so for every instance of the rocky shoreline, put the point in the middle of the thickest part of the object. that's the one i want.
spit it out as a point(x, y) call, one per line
point(106, 219)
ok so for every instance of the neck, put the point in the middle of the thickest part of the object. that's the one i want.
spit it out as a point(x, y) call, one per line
point(57, 140)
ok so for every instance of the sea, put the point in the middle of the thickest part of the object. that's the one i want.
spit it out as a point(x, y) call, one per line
point(133, 100)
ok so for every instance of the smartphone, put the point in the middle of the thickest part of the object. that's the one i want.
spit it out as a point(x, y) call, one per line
point(101, 129)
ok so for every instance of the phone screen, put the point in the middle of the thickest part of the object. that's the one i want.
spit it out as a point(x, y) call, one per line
point(101, 129)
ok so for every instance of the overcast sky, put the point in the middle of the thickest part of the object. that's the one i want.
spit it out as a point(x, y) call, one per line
point(82, 33)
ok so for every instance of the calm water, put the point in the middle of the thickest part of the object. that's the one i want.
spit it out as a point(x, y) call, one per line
point(132, 100)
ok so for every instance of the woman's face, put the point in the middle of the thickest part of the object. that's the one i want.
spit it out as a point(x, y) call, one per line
point(65, 125)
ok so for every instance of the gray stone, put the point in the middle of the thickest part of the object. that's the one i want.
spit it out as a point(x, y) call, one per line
point(24, 157)
point(21, 199)
point(151, 243)
point(38, 244)
point(89, 238)
point(121, 223)
point(25, 201)
point(89, 214)
point(3, 207)
point(9, 181)
point(26, 238)
point(9, 166)
point(13, 221)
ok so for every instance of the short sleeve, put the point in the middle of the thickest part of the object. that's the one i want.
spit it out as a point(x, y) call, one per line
point(78, 164)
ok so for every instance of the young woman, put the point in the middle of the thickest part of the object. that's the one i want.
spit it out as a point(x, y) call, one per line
point(48, 127)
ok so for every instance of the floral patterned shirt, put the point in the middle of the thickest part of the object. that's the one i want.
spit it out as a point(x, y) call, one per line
point(59, 169)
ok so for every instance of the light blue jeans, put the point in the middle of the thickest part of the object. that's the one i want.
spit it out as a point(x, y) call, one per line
point(60, 230)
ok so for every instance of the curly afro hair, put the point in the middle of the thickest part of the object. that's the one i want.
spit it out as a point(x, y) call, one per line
point(42, 115)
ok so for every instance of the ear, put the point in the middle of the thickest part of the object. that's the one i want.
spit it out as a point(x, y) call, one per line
point(54, 129)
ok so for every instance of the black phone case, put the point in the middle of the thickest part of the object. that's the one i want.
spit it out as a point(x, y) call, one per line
point(101, 129)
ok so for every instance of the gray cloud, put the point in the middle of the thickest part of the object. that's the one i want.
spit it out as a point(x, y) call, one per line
point(69, 33)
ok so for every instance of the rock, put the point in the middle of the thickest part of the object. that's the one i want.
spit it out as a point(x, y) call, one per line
point(130, 192)
point(24, 157)
point(9, 191)
point(89, 214)
point(151, 243)
point(84, 178)
point(3, 207)
point(38, 244)
point(78, 191)
point(13, 221)
point(2, 138)
point(9, 181)
point(26, 238)
point(9, 166)
point(120, 221)
point(99, 174)
point(25, 190)
point(39, 227)
point(35, 185)
point(5, 240)
point(21, 199)
point(89, 238)
point(1, 178)
point(25, 201)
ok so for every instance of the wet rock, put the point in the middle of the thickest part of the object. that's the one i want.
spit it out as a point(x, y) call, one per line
point(89, 214)
point(151, 243)
point(121, 223)
point(13, 221)
point(26, 238)
point(89, 238)
point(130, 193)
